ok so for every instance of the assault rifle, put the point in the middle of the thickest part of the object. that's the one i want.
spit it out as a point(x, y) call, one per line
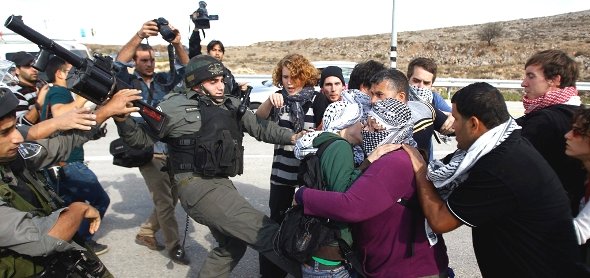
point(95, 79)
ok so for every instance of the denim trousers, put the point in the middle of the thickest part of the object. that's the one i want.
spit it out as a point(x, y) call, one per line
point(309, 271)
point(80, 184)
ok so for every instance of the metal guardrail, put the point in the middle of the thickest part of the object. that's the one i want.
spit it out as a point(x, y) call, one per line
point(442, 82)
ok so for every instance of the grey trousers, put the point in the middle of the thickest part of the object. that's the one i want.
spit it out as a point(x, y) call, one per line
point(165, 196)
point(235, 224)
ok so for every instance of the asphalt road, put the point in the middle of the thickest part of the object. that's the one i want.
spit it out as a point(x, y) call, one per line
point(131, 205)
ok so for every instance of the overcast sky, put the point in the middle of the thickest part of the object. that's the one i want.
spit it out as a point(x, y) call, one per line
point(243, 22)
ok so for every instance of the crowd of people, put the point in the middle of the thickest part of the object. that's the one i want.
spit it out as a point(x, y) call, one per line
point(520, 184)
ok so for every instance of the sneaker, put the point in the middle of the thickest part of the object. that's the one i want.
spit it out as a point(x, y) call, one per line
point(96, 247)
point(149, 242)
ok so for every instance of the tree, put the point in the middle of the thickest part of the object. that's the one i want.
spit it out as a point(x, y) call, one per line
point(490, 31)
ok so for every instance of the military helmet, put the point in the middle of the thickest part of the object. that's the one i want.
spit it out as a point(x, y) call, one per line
point(8, 101)
point(201, 68)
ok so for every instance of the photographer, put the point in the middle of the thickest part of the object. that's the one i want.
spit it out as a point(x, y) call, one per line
point(36, 235)
point(215, 49)
point(154, 86)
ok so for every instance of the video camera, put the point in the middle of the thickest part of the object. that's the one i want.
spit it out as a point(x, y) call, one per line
point(201, 17)
point(95, 79)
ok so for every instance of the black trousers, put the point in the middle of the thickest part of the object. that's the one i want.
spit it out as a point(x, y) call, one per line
point(280, 199)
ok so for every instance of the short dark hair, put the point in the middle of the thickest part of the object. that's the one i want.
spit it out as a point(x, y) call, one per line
point(427, 64)
point(213, 43)
point(397, 80)
point(483, 101)
point(53, 65)
point(362, 73)
point(142, 47)
point(556, 62)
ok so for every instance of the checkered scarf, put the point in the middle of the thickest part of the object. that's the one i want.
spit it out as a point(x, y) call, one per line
point(446, 177)
point(567, 95)
point(356, 96)
point(338, 116)
point(420, 94)
point(396, 117)
point(294, 103)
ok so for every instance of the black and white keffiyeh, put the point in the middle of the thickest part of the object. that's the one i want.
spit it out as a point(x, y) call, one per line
point(395, 117)
point(447, 177)
point(420, 94)
point(295, 106)
point(338, 116)
point(356, 96)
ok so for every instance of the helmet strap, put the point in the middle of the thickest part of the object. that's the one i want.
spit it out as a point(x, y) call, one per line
point(213, 98)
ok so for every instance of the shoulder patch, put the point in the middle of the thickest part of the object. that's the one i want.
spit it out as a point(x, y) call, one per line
point(28, 150)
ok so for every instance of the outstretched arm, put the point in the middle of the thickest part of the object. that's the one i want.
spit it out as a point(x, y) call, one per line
point(80, 118)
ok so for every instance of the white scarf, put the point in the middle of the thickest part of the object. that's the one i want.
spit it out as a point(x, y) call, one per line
point(446, 177)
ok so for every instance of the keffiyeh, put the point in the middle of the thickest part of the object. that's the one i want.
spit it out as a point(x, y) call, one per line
point(567, 95)
point(420, 94)
point(338, 116)
point(446, 177)
point(294, 103)
point(356, 96)
point(395, 117)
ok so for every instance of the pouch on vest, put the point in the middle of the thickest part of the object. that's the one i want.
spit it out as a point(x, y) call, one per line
point(219, 157)
point(127, 156)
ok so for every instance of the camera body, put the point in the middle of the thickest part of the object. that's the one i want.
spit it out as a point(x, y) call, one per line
point(201, 17)
point(165, 30)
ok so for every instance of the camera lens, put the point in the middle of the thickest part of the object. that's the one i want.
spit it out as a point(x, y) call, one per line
point(165, 30)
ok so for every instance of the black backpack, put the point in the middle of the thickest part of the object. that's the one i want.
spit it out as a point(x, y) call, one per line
point(300, 235)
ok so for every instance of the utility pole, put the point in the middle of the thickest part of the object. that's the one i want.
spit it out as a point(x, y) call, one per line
point(393, 50)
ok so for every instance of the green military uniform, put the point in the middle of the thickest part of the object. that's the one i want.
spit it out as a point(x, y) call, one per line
point(212, 200)
point(28, 210)
point(29, 206)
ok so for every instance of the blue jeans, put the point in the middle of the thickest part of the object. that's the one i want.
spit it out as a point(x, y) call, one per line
point(80, 184)
point(314, 271)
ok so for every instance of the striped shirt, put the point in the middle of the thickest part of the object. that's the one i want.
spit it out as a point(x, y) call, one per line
point(27, 96)
point(285, 165)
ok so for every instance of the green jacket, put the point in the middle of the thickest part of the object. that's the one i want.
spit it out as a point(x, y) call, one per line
point(337, 163)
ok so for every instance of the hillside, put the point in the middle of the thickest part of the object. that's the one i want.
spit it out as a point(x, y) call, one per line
point(457, 50)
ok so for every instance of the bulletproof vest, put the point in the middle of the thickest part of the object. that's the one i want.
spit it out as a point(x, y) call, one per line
point(215, 150)
point(25, 193)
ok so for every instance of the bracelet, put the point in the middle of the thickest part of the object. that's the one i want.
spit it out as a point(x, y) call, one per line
point(139, 36)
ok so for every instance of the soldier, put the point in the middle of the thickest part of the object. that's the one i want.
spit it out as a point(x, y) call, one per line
point(204, 134)
point(36, 234)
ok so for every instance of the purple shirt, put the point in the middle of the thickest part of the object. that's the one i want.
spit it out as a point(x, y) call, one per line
point(382, 228)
